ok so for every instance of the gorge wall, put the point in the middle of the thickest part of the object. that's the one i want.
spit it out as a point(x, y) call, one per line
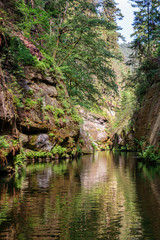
point(35, 114)
point(147, 119)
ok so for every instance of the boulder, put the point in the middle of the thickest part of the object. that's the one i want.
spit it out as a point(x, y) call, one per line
point(94, 125)
point(43, 143)
point(86, 147)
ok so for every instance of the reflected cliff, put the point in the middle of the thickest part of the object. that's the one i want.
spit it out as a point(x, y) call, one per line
point(105, 196)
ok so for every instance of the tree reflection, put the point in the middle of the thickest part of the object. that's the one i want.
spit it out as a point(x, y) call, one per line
point(92, 198)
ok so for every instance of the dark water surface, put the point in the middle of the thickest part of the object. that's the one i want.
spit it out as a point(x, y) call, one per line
point(106, 196)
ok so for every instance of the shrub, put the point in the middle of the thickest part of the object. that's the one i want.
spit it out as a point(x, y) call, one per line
point(49, 108)
point(59, 150)
point(3, 142)
point(30, 103)
point(150, 154)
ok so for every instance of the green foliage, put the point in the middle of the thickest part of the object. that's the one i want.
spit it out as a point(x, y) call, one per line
point(125, 109)
point(18, 53)
point(77, 41)
point(3, 142)
point(146, 26)
point(51, 135)
point(79, 150)
point(65, 104)
point(59, 150)
point(146, 45)
point(58, 112)
point(49, 108)
point(19, 160)
point(75, 116)
point(15, 143)
point(36, 154)
point(30, 103)
point(126, 148)
point(18, 101)
point(150, 154)
point(46, 117)
point(94, 146)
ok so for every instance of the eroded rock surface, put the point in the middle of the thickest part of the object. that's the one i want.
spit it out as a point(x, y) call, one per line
point(147, 123)
point(94, 127)
point(32, 115)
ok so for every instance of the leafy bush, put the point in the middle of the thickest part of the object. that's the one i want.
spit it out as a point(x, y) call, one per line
point(3, 142)
point(36, 154)
point(59, 150)
point(94, 146)
point(18, 102)
point(49, 108)
point(79, 150)
point(58, 112)
point(30, 103)
point(19, 53)
point(150, 154)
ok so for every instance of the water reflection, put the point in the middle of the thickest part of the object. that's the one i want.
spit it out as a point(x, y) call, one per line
point(105, 196)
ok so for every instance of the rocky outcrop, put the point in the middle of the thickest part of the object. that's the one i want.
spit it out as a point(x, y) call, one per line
point(147, 119)
point(125, 141)
point(94, 130)
point(33, 115)
point(146, 125)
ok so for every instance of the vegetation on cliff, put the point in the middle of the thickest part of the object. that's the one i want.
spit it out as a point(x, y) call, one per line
point(58, 54)
point(46, 47)
point(138, 111)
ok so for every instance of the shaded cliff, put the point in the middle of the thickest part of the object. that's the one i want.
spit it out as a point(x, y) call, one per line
point(143, 129)
point(37, 118)
point(147, 119)
point(35, 113)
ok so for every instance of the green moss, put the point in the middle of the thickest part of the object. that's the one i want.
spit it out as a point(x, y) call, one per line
point(30, 103)
point(18, 102)
point(58, 112)
point(49, 108)
point(3, 142)
point(51, 135)
point(94, 146)
point(46, 117)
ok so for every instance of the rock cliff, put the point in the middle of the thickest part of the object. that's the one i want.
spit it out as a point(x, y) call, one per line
point(93, 131)
point(35, 113)
point(147, 119)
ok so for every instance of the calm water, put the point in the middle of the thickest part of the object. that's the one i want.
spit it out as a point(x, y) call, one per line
point(106, 196)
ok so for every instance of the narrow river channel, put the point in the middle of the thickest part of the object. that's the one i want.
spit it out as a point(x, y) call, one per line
point(105, 196)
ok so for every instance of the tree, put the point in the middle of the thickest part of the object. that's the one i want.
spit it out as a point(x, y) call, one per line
point(146, 26)
point(146, 45)
point(77, 39)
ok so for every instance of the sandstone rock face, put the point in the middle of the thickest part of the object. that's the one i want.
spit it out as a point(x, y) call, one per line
point(147, 122)
point(124, 141)
point(93, 129)
point(86, 146)
point(42, 142)
point(94, 125)
point(32, 115)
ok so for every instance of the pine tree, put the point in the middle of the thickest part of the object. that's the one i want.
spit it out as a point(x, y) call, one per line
point(146, 26)
point(77, 38)
point(146, 44)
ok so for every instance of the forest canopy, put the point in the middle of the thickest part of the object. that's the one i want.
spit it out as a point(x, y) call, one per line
point(77, 39)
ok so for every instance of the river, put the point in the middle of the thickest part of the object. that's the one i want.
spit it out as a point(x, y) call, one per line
point(102, 196)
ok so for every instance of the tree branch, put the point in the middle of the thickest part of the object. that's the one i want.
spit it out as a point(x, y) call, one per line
point(69, 53)
point(60, 33)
